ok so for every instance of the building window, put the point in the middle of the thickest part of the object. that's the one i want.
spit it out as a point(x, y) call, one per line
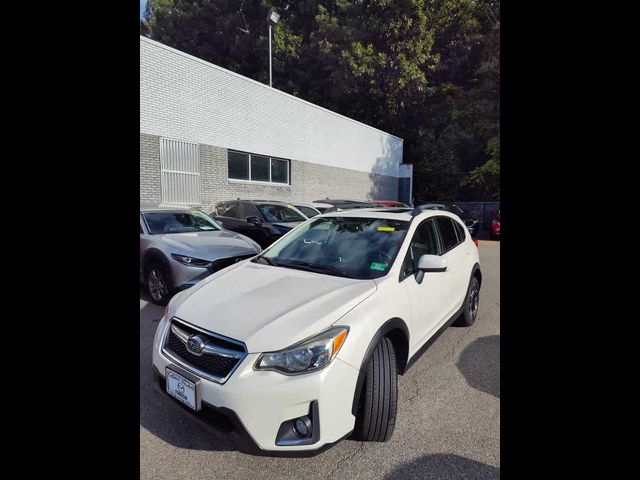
point(258, 168)
point(239, 166)
point(279, 170)
point(180, 172)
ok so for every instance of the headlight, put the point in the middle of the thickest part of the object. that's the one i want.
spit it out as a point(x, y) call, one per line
point(193, 262)
point(307, 356)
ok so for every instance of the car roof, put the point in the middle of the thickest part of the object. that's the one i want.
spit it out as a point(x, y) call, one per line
point(166, 208)
point(321, 205)
point(405, 214)
point(308, 205)
point(275, 202)
point(334, 201)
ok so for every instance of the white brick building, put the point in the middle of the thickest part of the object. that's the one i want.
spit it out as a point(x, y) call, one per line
point(208, 134)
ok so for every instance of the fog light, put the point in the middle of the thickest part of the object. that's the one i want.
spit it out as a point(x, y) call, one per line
point(302, 426)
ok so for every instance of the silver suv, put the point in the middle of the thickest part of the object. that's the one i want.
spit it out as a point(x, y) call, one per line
point(180, 246)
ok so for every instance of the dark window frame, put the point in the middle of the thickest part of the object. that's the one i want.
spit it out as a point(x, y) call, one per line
point(256, 211)
point(460, 228)
point(228, 206)
point(442, 249)
point(270, 162)
point(404, 276)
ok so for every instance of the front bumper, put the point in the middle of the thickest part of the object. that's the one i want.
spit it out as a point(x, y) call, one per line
point(185, 276)
point(257, 403)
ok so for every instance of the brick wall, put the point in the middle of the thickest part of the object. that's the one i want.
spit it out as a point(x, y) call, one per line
point(150, 188)
point(185, 98)
point(309, 181)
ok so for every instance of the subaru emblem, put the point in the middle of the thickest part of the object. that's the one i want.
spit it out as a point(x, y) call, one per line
point(196, 344)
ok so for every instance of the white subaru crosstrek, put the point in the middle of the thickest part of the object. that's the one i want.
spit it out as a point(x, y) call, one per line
point(301, 345)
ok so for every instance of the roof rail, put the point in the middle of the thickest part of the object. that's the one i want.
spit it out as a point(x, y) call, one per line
point(416, 211)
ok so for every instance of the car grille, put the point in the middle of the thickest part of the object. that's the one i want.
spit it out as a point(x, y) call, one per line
point(210, 365)
point(217, 265)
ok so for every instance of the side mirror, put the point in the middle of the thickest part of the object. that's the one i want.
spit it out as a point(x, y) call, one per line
point(430, 264)
point(254, 220)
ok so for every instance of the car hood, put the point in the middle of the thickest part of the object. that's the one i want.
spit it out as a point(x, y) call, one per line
point(210, 245)
point(269, 308)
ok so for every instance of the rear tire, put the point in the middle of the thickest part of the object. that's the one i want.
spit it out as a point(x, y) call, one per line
point(376, 416)
point(157, 279)
point(470, 309)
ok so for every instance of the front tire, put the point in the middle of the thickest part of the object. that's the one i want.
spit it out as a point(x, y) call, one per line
point(158, 283)
point(376, 416)
point(470, 309)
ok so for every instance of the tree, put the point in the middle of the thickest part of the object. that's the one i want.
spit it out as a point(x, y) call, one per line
point(426, 71)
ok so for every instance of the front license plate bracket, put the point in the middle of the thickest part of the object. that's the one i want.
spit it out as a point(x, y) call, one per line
point(172, 374)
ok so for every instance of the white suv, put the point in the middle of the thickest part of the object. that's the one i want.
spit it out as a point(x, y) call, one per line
point(300, 346)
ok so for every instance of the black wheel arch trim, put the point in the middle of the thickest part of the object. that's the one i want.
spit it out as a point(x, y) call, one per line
point(154, 255)
point(387, 327)
point(476, 268)
point(405, 362)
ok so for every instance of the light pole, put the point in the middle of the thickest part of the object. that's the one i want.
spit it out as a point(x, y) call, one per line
point(272, 19)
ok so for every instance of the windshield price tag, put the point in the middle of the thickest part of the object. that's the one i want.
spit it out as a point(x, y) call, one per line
point(378, 266)
point(386, 229)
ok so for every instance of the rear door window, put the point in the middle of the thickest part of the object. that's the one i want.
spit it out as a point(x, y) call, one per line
point(250, 210)
point(232, 210)
point(447, 232)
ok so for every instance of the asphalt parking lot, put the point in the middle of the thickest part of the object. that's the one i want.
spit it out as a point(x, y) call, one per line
point(448, 424)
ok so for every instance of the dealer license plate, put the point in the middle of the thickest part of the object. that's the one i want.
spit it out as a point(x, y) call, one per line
point(181, 388)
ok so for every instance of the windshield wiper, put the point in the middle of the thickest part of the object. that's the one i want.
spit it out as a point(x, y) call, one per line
point(266, 260)
point(311, 267)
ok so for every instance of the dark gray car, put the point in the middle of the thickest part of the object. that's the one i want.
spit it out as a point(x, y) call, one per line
point(181, 246)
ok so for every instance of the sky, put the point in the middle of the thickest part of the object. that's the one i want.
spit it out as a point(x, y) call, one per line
point(143, 4)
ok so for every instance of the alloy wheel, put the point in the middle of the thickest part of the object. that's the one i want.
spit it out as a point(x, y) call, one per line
point(157, 285)
point(474, 300)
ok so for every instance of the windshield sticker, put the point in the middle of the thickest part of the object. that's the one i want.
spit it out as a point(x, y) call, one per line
point(378, 266)
point(386, 229)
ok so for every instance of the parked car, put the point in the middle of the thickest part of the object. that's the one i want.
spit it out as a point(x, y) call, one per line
point(341, 205)
point(262, 220)
point(312, 209)
point(181, 246)
point(471, 222)
point(495, 226)
point(301, 346)
point(391, 203)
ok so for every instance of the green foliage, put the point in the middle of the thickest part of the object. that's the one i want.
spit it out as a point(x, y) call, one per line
point(427, 71)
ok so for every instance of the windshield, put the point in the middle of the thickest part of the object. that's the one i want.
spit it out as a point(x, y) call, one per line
point(309, 212)
point(360, 248)
point(179, 222)
point(279, 213)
